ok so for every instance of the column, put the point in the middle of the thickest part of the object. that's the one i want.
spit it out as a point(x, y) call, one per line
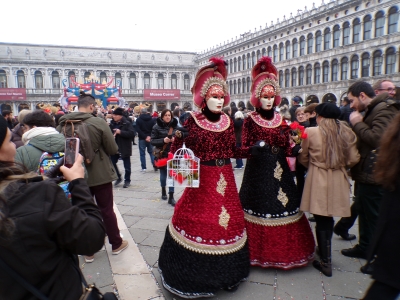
point(396, 65)
point(372, 29)
point(386, 25)
point(154, 81)
point(167, 82)
point(140, 81)
point(359, 67)
point(383, 66)
point(10, 83)
point(29, 79)
point(371, 65)
point(351, 33)
point(47, 79)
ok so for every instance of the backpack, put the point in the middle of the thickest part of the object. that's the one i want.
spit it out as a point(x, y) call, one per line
point(49, 160)
point(79, 129)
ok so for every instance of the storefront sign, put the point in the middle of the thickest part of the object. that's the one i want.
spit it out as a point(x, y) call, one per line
point(12, 94)
point(162, 95)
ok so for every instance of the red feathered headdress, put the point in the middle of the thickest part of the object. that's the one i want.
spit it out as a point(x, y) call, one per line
point(214, 73)
point(264, 73)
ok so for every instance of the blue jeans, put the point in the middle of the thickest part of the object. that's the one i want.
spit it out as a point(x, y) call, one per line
point(142, 150)
point(239, 161)
point(163, 179)
point(127, 166)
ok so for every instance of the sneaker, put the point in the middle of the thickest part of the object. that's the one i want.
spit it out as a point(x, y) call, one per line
point(118, 181)
point(89, 259)
point(126, 184)
point(121, 248)
point(143, 170)
point(238, 168)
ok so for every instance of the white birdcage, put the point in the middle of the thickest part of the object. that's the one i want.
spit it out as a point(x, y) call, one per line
point(183, 169)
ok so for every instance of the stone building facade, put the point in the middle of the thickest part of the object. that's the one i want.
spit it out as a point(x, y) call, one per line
point(320, 51)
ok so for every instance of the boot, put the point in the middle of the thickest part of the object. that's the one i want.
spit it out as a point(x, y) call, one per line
point(163, 193)
point(171, 199)
point(324, 245)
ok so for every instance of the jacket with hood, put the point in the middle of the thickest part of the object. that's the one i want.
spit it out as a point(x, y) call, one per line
point(29, 155)
point(124, 139)
point(101, 170)
point(144, 126)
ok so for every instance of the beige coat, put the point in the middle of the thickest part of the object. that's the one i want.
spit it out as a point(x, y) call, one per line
point(326, 191)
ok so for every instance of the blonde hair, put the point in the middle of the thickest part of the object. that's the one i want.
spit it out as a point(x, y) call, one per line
point(337, 137)
point(22, 114)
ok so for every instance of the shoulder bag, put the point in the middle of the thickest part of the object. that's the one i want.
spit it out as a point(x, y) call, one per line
point(158, 152)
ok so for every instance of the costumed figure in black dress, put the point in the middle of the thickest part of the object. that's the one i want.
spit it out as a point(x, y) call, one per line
point(279, 234)
point(205, 246)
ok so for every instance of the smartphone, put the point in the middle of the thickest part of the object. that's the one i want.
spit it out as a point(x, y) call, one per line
point(71, 151)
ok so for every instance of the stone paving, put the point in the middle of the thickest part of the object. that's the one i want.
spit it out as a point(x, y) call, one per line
point(143, 218)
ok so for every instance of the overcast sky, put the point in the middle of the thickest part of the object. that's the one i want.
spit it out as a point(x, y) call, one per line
point(176, 25)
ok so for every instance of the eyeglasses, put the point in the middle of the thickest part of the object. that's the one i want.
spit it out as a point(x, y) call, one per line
point(388, 90)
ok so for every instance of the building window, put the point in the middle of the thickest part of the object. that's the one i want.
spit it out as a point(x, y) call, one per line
point(281, 51)
point(269, 51)
point(327, 39)
point(317, 73)
point(21, 79)
point(335, 69)
point(336, 36)
point(393, 19)
point(234, 87)
point(356, 30)
point(365, 65)
point(239, 86)
point(302, 46)
point(55, 79)
point(186, 82)
point(344, 67)
point(325, 71)
point(287, 77)
point(318, 41)
point(367, 27)
point(308, 74)
point(146, 81)
point(377, 63)
point(253, 59)
point(248, 61)
point(264, 52)
point(346, 33)
point(310, 42)
point(280, 78)
point(301, 76)
point(230, 87)
point(118, 79)
point(103, 77)
point(86, 76)
point(174, 82)
point(38, 80)
point(379, 24)
point(275, 53)
point(244, 62)
point(239, 63)
point(235, 65)
point(258, 55)
point(294, 77)
point(244, 85)
point(230, 66)
point(295, 48)
point(3, 79)
point(248, 84)
point(354, 67)
point(287, 50)
point(390, 61)
point(71, 78)
point(132, 81)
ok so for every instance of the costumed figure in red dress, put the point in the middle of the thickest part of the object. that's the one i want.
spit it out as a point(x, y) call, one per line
point(279, 234)
point(205, 246)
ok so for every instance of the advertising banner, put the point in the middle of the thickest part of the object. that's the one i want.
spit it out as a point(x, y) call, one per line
point(153, 94)
point(12, 94)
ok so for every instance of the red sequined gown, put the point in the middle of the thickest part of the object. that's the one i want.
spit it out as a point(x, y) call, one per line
point(279, 234)
point(205, 246)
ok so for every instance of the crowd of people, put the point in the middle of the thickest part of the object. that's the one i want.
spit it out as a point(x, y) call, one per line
point(217, 231)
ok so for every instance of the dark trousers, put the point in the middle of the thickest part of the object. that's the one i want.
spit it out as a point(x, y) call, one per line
point(104, 198)
point(345, 223)
point(368, 201)
point(239, 161)
point(127, 166)
point(143, 145)
point(163, 179)
point(379, 290)
point(323, 223)
point(300, 173)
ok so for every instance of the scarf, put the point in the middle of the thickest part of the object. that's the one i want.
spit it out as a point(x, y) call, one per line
point(37, 131)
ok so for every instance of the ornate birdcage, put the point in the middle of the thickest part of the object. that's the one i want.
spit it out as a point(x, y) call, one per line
point(183, 170)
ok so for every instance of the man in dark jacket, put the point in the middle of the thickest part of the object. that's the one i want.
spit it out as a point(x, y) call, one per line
point(379, 111)
point(295, 105)
point(345, 110)
point(144, 126)
point(123, 133)
point(100, 171)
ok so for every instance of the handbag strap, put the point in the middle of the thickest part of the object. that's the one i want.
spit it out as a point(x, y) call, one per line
point(22, 281)
point(169, 133)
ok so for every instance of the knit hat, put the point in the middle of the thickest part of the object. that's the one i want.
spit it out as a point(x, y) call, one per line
point(328, 110)
point(118, 111)
point(3, 130)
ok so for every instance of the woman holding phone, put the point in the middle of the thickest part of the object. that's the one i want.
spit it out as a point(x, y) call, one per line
point(41, 232)
point(162, 137)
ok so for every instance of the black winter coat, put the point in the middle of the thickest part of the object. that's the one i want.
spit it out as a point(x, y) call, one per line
point(144, 126)
point(345, 112)
point(49, 232)
point(124, 139)
point(386, 241)
point(160, 131)
point(238, 126)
